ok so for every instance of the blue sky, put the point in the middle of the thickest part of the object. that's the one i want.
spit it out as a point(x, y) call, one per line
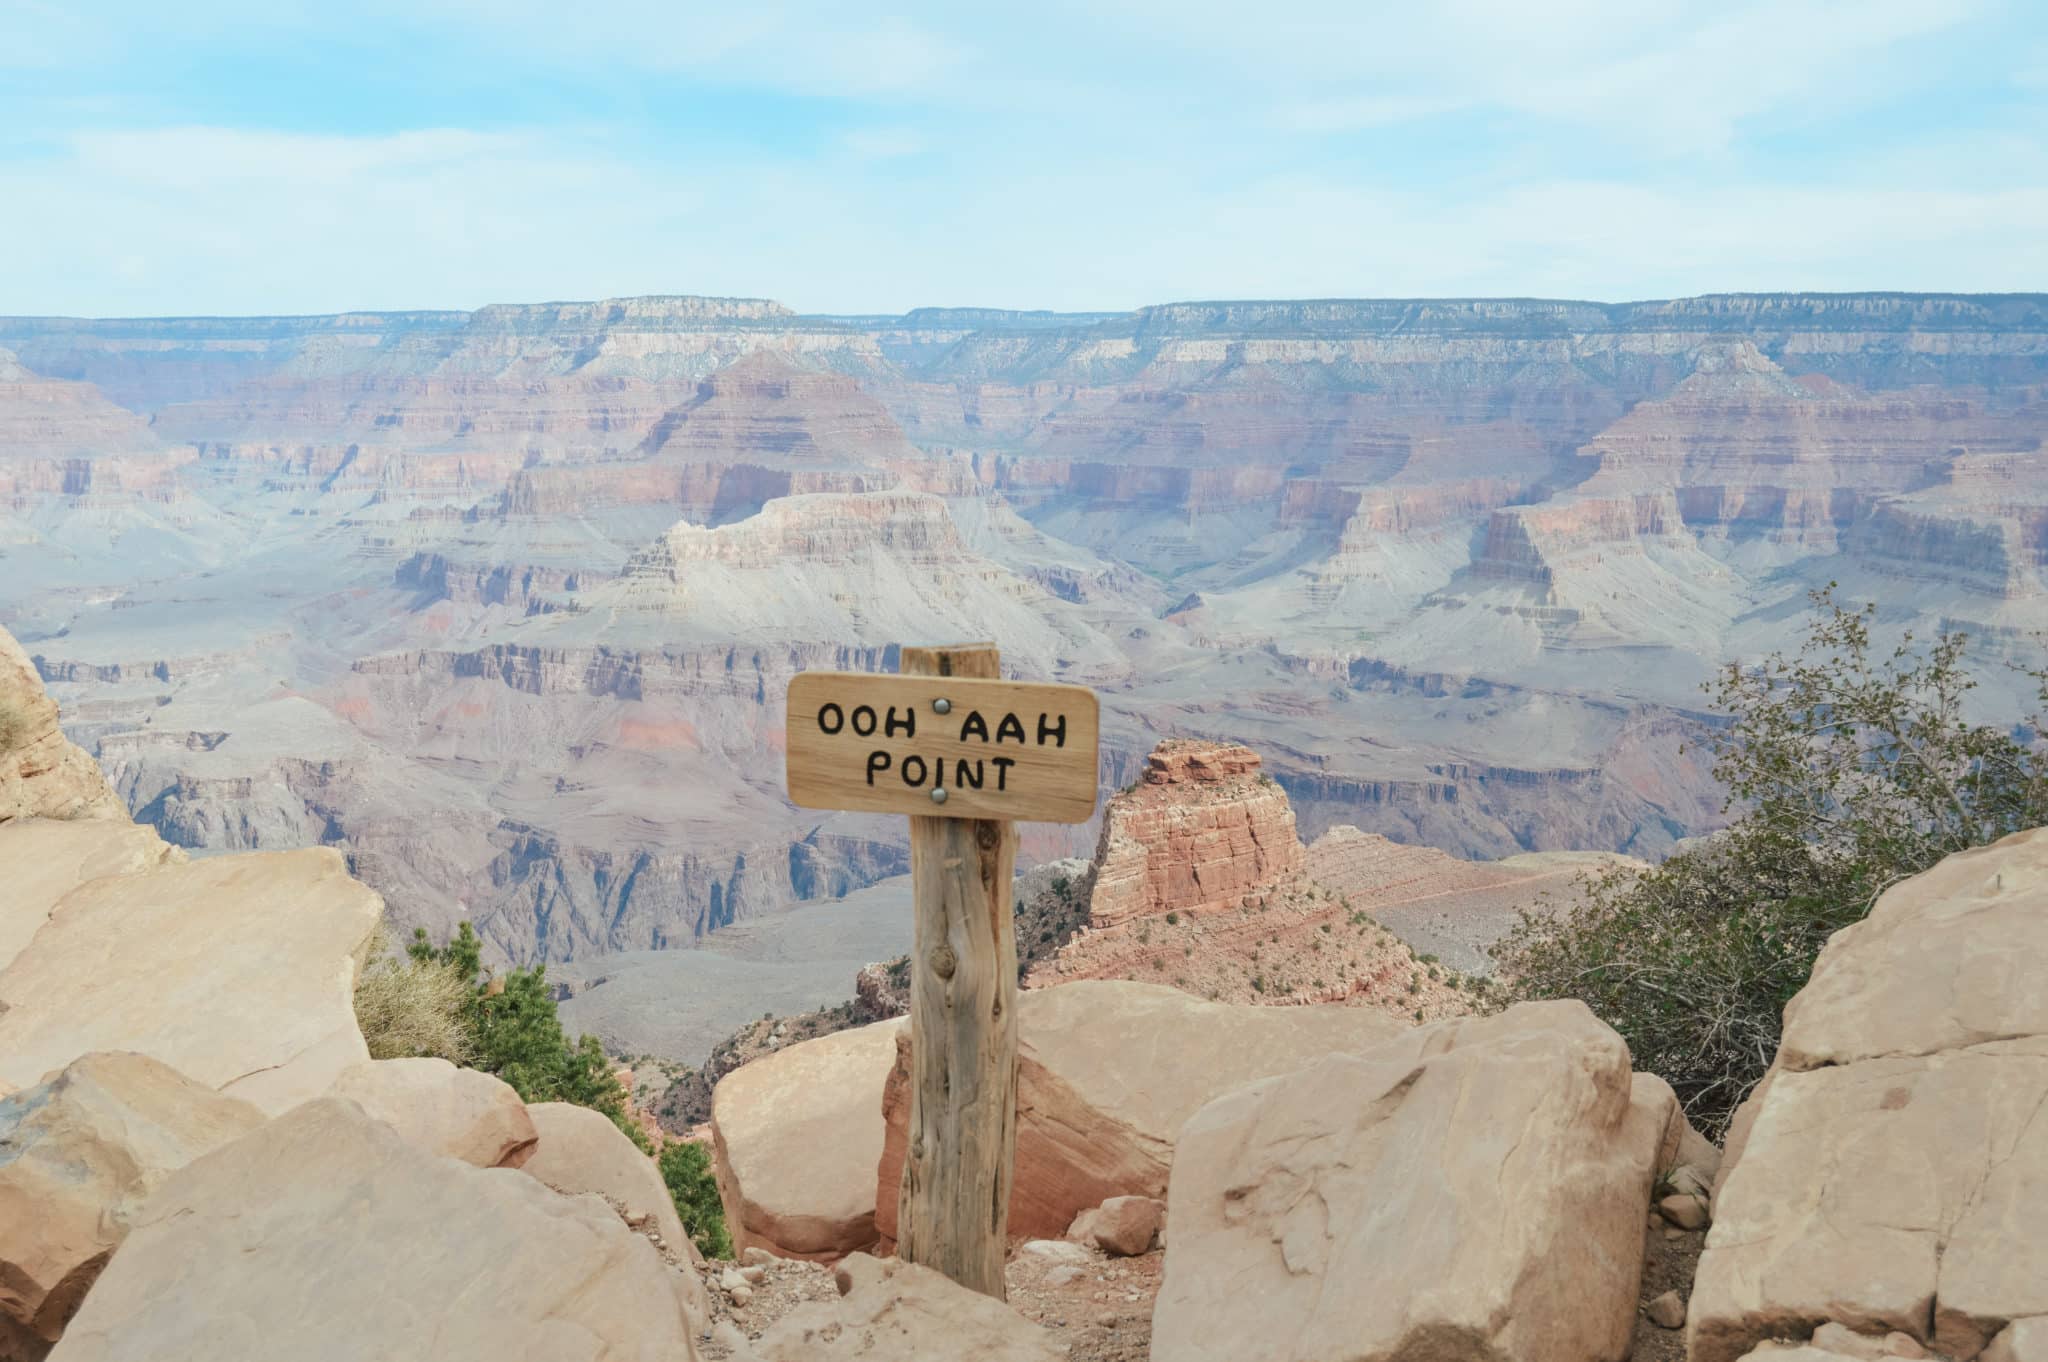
point(223, 156)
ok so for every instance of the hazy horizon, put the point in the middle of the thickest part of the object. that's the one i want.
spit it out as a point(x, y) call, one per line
point(796, 311)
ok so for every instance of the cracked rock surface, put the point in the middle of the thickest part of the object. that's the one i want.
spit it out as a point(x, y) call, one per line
point(1887, 1173)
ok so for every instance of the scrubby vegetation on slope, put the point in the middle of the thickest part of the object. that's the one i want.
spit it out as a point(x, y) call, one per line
point(440, 1001)
point(1851, 772)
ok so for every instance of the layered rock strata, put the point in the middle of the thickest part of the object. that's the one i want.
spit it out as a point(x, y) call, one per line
point(1202, 828)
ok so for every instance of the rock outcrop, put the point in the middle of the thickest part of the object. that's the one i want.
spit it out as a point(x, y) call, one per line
point(1201, 829)
point(1488, 1179)
point(238, 971)
point(1887, 1174)
point(464, 1113)
point(46, 858)
point(42, 774)
point(580, 1150)
point(79, 1155)
point(797, 1135)
point(1200, 880)
point(327, 1235)
point(893, 1311)
point(1107, 1072)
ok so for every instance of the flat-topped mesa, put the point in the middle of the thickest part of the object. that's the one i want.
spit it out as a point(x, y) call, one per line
point(1199, 831)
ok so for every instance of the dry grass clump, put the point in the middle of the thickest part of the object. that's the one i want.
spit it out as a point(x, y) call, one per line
point(407, 1007)
point(14, 725)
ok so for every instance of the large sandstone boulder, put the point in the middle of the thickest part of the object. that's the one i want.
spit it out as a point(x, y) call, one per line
point(464, 1113)
point(1888, 1174)
point(237, 971)
point(79, 1155)
point(42, 774)
point(895, 1311)
point(1470, 1190)
point(43, 859)
point(1107, 1072)
point(796, 1136)
point(580, 1150)
point(327, 1235)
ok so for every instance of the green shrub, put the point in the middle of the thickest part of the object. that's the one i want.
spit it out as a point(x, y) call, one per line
point(513, 1031)
point(1849, 774)
point(686, 1168)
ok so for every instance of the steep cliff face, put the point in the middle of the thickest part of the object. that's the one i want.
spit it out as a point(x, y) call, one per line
point(60, 438)
point(1202, 828)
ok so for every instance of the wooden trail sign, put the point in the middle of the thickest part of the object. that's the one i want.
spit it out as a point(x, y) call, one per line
point(927, 743)
point(953, 746)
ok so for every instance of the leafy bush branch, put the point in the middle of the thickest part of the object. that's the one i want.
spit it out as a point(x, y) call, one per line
point(1849, 771)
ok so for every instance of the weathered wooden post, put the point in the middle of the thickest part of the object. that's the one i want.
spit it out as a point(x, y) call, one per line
point(965, 754)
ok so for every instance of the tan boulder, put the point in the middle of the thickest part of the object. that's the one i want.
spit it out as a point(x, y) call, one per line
point(797, 1135)
point(1472, 1189)
point(1684, 1147)
point(1946, 960)
point(42, 774)
point(43, 859)
point(893, 1311)
point(79, 1155)
point(1835, 1338)
point(327, 1235)
point(464, 1113)
point(1123, 1226)
point(1107, 1072)
point(2023, 1340)
point(580, 1150)
point(1913, 1069)
point(237, 971)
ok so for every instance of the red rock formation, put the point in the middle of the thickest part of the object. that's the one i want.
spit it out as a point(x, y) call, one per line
point(1201, 830)
point(1200, 882)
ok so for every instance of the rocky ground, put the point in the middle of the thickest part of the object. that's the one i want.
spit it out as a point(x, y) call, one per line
point(1100, 1307)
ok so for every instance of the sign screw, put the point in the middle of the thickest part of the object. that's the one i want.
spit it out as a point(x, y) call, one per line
point(942, 706)
point(938, 796)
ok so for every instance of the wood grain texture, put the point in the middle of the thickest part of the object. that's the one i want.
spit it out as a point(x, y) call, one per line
point(1003, 749)
point(954, 1206)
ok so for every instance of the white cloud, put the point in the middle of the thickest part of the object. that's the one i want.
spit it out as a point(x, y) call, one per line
point(207, 220)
